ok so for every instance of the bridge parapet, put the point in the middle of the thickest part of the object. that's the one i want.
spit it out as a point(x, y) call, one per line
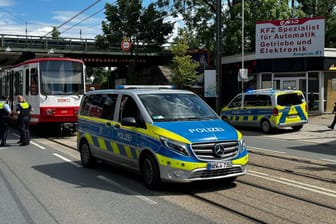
point(45, 43)
point(17, 48)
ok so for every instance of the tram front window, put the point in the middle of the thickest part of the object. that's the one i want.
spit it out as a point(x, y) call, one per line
point(61, 78)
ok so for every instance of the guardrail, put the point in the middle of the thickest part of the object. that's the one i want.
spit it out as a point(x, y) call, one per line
point(66, 44)
point(40, 42)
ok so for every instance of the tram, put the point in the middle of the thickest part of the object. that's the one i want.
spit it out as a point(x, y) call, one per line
point(52, 86)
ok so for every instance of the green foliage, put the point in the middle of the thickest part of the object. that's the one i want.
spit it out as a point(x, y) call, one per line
point(184, 68)
point(199, 17)
point(144, 27)
point(55, 34)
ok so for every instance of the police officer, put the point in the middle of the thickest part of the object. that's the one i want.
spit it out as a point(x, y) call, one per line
point(333, 123)
point(23, 110)
point(5, 113)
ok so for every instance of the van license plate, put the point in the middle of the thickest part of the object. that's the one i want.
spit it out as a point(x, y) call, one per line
point(219, 165)
point(292, 116)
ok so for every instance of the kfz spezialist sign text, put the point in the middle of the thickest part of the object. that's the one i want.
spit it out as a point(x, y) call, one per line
point(290, 38)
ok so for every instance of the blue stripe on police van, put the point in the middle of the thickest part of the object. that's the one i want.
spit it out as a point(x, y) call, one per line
point(134, 153)
point(245, 118)
point(108, 146)
point(284, 114)
point(95, 141)
point(300, 112)
point(122, 150)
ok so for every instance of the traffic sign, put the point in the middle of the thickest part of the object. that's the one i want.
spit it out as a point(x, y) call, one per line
point(125, 45)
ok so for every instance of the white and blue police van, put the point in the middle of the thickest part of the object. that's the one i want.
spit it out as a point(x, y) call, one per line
point(165, 134)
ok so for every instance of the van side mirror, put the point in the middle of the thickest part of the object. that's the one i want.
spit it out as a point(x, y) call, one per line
point(128, 121)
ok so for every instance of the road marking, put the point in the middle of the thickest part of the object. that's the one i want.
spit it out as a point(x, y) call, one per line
point(33, 143)
point(67, 160)
point(266, 150)
point(37, 145)
point(329, 160)
point(293, 183)
point(129, 191)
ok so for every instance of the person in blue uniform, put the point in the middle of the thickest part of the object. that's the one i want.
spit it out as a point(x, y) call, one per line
point(5, 113)
point(23, 110)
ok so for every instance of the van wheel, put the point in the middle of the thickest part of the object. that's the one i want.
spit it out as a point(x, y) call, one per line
point(297, 128)
point(86, 157)
point(150, 172)
point(266, 126)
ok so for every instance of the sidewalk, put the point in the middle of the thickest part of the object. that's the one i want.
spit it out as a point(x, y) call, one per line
point(316, 131)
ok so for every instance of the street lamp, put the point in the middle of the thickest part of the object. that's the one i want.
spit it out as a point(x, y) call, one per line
point(219, 56)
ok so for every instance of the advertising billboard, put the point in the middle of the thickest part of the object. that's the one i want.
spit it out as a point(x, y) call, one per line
point(290, 38)
point(210, 83)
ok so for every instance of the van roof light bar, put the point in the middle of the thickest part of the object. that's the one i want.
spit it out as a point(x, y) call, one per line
point(268, 90)
point(145, 87)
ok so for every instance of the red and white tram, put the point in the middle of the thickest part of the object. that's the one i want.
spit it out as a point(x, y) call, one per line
point(52, 86)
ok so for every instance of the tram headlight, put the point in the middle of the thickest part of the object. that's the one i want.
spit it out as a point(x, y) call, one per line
point(50, 112)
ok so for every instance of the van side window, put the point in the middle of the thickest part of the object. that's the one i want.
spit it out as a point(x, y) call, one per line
point(236, 102)
point(129, 108)
point(92, 106)
point(264, 100)
point(250, 101)
point(99, 106)
point(108, 103)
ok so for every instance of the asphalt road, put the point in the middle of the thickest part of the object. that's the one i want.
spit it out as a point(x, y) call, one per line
point(45, 183)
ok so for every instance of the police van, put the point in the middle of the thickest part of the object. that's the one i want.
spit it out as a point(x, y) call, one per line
point(267, 109)
point(167, 135)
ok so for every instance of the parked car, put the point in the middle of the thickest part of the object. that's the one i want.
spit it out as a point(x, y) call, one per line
point(267, 109)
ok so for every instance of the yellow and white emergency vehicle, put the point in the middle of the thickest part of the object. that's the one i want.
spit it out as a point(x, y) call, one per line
point(267, 109)
point(164, 134)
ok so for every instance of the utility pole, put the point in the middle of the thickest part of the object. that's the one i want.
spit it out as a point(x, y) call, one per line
point(219, 77)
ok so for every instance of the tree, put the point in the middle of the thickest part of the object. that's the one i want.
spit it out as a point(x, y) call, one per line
point(144, 27)
point(199, 18)
point(55, 34)
point(184, 68)
point(325, 8)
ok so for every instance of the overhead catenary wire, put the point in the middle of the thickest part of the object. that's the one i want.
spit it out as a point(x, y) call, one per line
point(67, 21)
point(83, 20)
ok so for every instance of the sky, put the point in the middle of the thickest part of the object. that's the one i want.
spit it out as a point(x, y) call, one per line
point(38, 17)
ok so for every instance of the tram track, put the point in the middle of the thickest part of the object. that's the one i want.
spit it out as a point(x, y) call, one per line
point(312, 166)
point(236, 201)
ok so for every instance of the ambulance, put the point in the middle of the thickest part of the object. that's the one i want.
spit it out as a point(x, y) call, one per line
point(267, 109)
point(164, 134)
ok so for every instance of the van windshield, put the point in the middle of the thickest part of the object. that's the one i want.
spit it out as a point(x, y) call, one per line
point(290, 99)
point(176, 106)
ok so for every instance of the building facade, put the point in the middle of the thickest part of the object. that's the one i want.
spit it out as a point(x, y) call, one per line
point(315, 76)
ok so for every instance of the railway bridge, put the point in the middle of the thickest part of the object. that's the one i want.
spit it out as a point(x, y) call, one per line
point(17, 48)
